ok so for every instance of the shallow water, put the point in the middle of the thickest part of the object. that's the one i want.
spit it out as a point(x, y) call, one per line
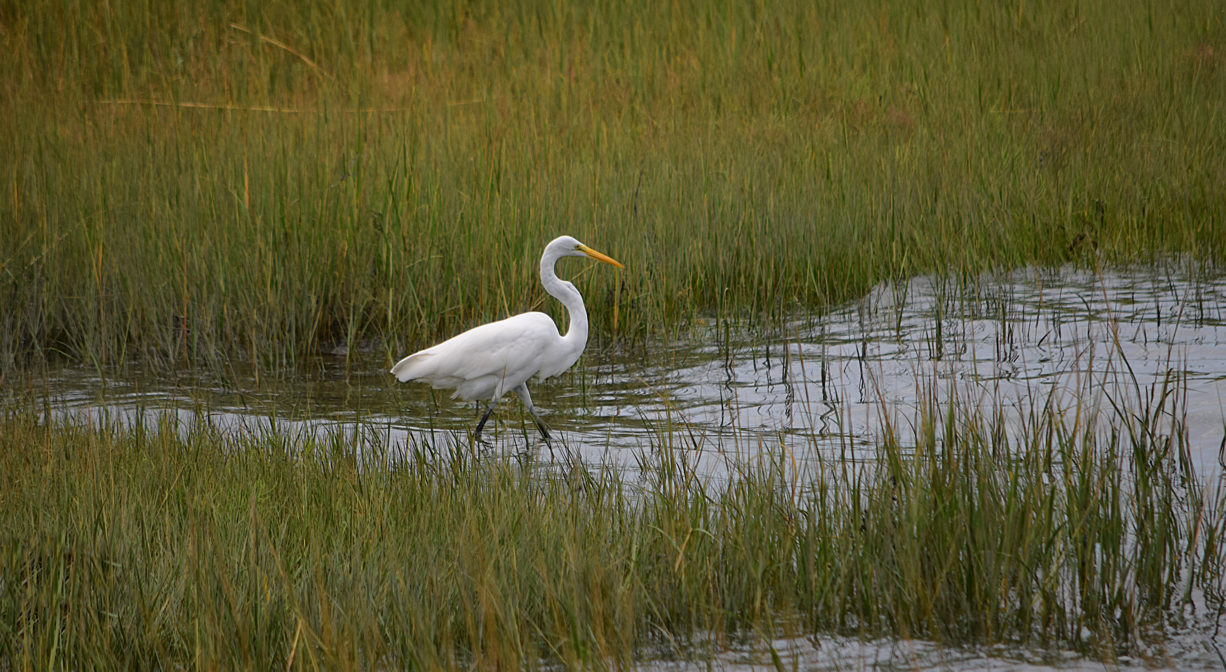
point(722, 395)
point(845, 654)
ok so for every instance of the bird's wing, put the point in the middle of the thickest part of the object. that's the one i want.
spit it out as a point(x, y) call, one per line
point(498, 355)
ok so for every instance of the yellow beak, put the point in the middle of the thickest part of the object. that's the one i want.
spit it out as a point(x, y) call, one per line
point(599, 256)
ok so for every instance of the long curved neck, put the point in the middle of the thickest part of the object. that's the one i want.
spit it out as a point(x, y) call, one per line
point(565, 292)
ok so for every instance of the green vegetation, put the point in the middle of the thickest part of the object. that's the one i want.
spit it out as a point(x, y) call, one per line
point(197, 182)
point(168, 546)
point(242, 184)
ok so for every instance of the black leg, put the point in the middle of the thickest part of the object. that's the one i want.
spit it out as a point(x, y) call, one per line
point(526, 397)
point(481, 422)
point(541, 426)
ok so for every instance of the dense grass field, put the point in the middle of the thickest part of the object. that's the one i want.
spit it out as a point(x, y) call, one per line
point(167, 546)
point(192, 182)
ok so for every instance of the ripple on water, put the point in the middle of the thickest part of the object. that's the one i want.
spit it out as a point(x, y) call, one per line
point(825, 384)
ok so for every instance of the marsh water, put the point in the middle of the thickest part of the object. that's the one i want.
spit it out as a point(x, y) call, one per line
point(1076, 339)
point(725, 393)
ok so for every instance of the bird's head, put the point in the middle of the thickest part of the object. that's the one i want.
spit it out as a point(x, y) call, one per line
point(569, 247)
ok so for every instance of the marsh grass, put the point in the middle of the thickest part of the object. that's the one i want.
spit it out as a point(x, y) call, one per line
point(200, 182)
point(163, 545)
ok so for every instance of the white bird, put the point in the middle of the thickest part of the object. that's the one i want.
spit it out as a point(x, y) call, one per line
point(485, 362)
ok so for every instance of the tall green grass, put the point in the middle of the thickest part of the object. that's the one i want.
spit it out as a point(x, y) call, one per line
point(380, 176)
point(162, 545)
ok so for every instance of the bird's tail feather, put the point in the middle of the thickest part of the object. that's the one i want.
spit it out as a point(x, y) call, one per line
point(410, 367)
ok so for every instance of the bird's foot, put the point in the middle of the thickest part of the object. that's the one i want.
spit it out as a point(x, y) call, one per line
point(484, 444)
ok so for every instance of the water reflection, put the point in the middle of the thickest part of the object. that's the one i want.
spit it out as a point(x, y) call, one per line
point(825, 384)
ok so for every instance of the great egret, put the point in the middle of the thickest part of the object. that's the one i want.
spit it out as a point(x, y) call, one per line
point(485, 362)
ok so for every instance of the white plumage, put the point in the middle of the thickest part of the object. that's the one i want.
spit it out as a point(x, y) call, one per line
point(486, 362)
